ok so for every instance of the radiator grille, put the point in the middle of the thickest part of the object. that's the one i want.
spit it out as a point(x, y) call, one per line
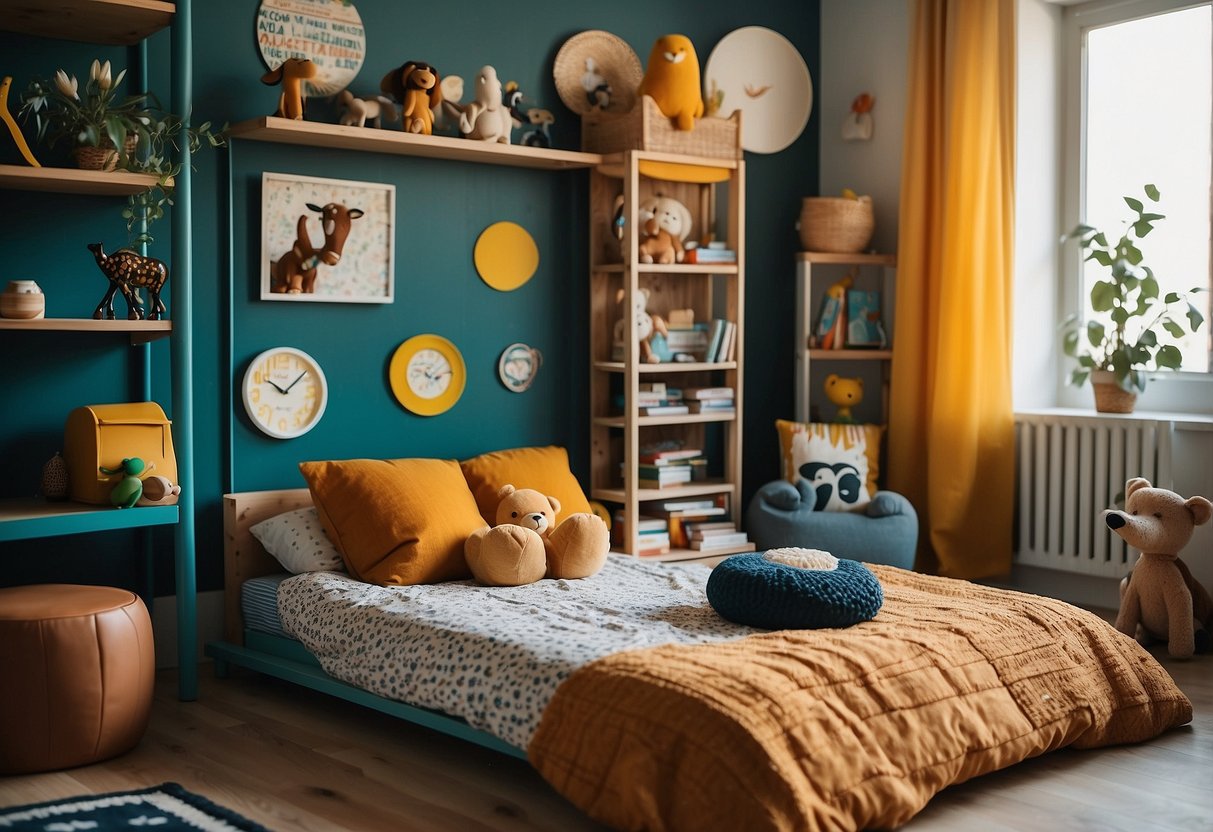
point(1071, 468)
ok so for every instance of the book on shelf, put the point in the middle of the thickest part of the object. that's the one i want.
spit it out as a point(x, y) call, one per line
point(693, 526)
point(718, 407)
point(728, 343)
point(714, 338)
point(724, 541)
point(653, 454)
point(707, 393)
point(664, 410)
point(699, 533)
point(706, 506)
point(864, 326)
point(665, 473)
point(711, 254)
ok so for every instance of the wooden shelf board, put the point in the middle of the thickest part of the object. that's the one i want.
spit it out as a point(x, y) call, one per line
point(141, 332)
point(675, 492)
point(694, 554)
point(21, 519)
point(74, 180)
point(672, 268)
point(847, 259)
point(850, 355)
point(117, 22)
point(376, 140)
point(612, 164)
point(666, 367)
point(682, 419)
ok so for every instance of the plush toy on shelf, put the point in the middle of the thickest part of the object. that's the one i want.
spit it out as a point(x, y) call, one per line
point(845, 393)
point(527, 545)
point(646, 325)
point(672, 80)
point(291, 74)
point(664, 224)
point(486, 118)
point(358, 111)
point(1159, 599)
point(418, 88)
point(130, 488)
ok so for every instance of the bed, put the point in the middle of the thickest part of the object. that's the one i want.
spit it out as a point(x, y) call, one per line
point(797, 729)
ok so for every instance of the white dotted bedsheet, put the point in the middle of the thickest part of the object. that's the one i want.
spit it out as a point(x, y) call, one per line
point(494, 655)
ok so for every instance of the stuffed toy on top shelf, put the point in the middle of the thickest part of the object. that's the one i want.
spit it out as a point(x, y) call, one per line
point(671, 79)
point(418, 88)
point(291, 74)
point(1159, 599)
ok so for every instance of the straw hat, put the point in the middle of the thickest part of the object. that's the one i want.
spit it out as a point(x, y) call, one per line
point(597, 71)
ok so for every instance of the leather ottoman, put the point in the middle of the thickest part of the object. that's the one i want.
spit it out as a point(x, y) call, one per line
point(77, 669)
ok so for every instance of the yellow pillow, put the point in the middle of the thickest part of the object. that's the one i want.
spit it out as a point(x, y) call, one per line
point(842, 461)
point(395, 521)
point(544, 469)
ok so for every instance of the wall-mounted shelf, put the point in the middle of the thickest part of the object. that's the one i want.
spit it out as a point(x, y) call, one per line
point(74, 180)
point(117, 22)
point(376, 140)
point(25, 519)
point(141, 332)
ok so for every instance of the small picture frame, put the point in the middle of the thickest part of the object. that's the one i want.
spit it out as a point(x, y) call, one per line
point(327, 240)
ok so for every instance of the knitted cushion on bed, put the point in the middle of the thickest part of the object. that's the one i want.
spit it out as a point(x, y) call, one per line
point(794, 588)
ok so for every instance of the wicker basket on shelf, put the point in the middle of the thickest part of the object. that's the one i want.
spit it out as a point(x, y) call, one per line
point(836, 224)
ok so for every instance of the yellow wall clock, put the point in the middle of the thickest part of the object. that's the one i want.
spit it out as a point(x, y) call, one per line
point(427, 374)
point(285, 392)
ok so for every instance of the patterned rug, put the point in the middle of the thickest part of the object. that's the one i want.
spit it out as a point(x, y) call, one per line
point(163, 808)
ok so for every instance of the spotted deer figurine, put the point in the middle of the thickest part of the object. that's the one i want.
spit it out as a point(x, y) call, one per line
point(128, 272)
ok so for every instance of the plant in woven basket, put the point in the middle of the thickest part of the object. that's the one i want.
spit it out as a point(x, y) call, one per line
point(1130, 315)
point(95, 117)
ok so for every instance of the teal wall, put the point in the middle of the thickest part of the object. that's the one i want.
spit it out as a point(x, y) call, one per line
point(441, 208)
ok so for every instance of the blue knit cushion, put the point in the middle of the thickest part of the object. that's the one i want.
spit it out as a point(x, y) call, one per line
point(760, 592)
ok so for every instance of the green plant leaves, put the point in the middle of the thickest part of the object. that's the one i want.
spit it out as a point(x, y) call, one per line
point(1169, 356)
point(1152, 193)
point(1135, 204)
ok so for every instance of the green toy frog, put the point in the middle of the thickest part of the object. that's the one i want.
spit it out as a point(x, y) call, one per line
point(130, 488)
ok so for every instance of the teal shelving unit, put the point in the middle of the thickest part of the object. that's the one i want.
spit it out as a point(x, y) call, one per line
point(124, 22)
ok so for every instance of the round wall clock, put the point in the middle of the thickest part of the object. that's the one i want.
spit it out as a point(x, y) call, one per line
point(285, 392)
point(518, 366)
point(427, 374)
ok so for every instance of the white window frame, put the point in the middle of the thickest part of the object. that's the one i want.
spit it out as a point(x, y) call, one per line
point(1180, 392)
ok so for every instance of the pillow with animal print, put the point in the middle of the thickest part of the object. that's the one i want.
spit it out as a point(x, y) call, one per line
point(840, 462)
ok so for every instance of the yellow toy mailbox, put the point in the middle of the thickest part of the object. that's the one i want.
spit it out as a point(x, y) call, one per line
point(102, 435)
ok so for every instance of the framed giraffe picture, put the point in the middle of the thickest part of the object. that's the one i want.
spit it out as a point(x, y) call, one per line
point(326, 240)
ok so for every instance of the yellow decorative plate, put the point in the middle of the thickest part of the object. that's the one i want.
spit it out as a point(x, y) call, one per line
point(506, 256)
point(427, 374)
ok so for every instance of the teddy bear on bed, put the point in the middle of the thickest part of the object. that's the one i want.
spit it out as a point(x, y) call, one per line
point(527, 545)
point(1159, 599)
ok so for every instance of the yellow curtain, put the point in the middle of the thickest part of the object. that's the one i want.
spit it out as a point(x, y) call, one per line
point(951, 432)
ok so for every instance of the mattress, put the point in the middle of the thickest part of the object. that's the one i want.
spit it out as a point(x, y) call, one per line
point(259, 604)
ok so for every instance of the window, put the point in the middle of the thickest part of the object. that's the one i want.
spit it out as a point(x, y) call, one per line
point(1144, 77)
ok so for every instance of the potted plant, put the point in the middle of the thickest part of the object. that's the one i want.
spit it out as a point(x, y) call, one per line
point(108, 131)
point(103, 127)
point(1120, 343)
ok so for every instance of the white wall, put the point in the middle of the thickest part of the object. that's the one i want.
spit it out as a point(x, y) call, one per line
point(864, 48)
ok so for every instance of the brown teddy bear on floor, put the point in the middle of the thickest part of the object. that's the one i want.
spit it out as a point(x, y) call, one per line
point(526, 544)
point(1160, 599)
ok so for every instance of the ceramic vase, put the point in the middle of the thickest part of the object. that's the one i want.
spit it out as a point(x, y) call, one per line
point(22, 299)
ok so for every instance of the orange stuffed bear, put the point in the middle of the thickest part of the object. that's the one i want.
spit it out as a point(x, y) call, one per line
point(1160, 599)
point(526, 545)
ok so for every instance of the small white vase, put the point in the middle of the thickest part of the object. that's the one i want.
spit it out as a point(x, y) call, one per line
point(22, 299)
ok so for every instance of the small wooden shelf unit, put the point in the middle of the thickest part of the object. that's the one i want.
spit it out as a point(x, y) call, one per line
point(715, 290)
point(141, 332)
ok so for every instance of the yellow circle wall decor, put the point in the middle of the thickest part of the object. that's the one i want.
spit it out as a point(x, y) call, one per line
point(427, 374)
point(506, 256)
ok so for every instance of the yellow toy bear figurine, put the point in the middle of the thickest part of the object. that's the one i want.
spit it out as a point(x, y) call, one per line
point(672, 80)
point(846, 393)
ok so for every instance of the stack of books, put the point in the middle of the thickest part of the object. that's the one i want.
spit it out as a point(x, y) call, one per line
point(653, 536)
point(678, 513)
point(662, 469)
point(722, 341)
point(712, 253)
point(707, 536)
point(690, 341)
point(656, 399)
point(719, 400)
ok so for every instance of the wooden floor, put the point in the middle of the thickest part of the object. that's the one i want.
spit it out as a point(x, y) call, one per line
point(294, 759)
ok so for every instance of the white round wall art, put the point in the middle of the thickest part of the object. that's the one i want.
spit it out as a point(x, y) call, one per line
point(328, 32)
point(762, 74)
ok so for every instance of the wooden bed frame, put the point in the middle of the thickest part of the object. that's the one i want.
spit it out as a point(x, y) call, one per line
point(245, 558)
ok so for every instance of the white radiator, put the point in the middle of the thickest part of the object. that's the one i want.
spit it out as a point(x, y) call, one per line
point(1071, 467)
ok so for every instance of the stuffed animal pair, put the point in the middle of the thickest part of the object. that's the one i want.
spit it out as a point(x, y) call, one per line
point(647, 325)
point(527, 545)
point(1159, 599)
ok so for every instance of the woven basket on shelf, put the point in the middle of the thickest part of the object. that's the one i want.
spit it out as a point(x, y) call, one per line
point(104, 157)
point(836, 224)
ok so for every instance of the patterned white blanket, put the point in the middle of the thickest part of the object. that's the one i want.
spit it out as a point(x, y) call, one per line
point(494, 655)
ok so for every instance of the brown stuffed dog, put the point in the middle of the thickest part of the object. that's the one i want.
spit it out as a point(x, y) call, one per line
point(291, 74)
point(526, 545)
point(417, 87)
point(1160, 599)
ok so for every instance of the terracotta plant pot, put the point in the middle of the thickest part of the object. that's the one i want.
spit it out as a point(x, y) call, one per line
point(1109, 397)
